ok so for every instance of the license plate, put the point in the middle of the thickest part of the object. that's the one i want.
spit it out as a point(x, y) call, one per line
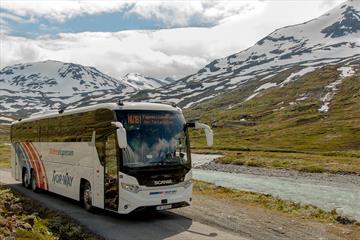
point(163, 207)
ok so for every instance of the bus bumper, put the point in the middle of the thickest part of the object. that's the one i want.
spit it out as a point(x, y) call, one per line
point(159, 198)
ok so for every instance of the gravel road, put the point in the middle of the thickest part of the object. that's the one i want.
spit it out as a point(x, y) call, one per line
point(154, 226)
point(209, 217)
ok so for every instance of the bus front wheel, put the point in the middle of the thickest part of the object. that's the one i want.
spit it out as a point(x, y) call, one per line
point(87, 196)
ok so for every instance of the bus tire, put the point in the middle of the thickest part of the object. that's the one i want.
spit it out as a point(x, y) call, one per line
point(25, 178)
point(86, 196)
point(33, 182)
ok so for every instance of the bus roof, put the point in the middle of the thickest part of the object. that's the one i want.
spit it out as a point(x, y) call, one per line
point(111, 106)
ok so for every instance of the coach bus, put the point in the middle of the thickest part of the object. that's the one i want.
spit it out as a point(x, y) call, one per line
point(116, 156)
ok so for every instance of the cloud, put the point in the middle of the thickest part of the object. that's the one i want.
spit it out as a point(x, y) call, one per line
point(174, 52)
point(8, 16)
point(171, 13)
point(180, 13)
point(330, 3)
point(61, 10)
point(155, 53)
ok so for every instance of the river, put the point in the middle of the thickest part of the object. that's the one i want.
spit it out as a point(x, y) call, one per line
point(345, 198)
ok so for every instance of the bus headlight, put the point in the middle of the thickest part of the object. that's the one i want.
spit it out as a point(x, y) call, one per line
point(187, 183)
point(130, 187)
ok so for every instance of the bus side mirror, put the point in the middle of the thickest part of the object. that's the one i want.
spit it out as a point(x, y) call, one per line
point(120, 134)
point(208, 132)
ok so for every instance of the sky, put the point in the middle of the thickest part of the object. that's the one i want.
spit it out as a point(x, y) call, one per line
point(155, 38)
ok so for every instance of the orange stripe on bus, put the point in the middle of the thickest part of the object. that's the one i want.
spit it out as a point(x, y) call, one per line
point(26, 155)
point(46, 183)
point(37, 160)
point(38, 172)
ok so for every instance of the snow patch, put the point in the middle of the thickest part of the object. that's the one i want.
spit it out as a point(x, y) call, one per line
point(251, 96)
point(346, 71)
point(6, 119)
point(297, 75)
point(266, 86)
point(301, 99)
point(332, 88)
point(200, 100)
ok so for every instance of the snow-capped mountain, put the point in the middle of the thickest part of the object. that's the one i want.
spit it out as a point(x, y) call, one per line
point(275, 61)
point(291, 51)
point(33, 87)
point(56, 78)
point(141, 82)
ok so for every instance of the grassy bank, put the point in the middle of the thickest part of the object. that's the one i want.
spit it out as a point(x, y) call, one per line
point(276, 119)
point(23, 218)
point(272, 203)
point(4, 155)
point(4, 146)
point(282, 127)
point(306, 162)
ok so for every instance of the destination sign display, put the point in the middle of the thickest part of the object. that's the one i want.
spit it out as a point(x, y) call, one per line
point(151, 119)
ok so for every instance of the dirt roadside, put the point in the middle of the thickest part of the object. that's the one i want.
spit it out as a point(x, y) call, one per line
point(259, 223)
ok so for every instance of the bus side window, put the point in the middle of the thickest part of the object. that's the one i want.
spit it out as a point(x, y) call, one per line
point(86, 124)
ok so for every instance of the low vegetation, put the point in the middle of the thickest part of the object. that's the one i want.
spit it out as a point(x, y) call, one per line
point(272, 203)
point(306, 162)
point(276, 129)
point(4, 146)
point(23, 218)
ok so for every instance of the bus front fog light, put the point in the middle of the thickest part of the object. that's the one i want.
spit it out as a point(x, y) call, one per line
point(187, 183)
point(130, 187)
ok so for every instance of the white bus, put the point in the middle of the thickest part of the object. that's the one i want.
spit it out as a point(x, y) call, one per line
point(120, 157)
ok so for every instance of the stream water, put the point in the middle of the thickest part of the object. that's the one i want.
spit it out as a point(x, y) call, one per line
point(345, 198)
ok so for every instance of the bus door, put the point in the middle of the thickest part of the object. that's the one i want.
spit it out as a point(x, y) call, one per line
point(111, 188)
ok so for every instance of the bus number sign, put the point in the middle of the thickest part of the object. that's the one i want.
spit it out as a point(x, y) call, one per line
point(151, 119)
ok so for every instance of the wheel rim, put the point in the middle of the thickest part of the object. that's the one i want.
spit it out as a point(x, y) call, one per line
point(26, 179)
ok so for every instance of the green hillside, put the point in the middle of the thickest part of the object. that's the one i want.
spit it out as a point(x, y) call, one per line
point(277, 121)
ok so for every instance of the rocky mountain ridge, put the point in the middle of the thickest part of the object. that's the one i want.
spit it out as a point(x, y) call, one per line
point(33, 87)
point(275, 61)
point(332, 38)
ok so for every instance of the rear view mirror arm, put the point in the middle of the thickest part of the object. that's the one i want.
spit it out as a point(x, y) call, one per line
point(208, 132)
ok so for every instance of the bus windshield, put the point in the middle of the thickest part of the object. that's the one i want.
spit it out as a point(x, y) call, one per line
point(154, 138)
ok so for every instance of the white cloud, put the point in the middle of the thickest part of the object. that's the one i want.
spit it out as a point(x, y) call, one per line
point(171, 13)
point(169, 52)
point(61, 10)
point(183, 13)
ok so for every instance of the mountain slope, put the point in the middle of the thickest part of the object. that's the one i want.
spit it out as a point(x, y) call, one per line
point(141, 82)
point(288, 118)
point(330, 39)
point(33, 87)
